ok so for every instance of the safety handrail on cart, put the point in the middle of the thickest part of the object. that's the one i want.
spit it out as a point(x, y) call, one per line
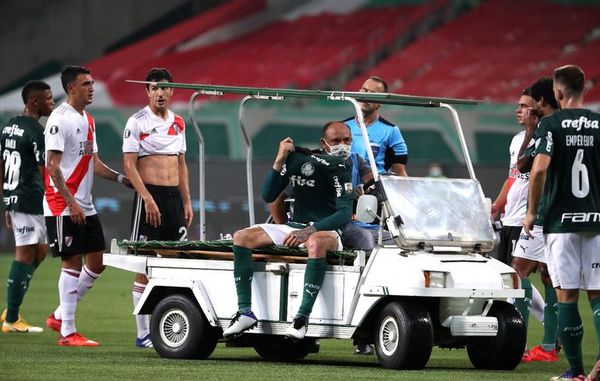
point(279, 94)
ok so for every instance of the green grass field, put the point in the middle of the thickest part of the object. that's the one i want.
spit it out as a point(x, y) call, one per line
point(105, 315)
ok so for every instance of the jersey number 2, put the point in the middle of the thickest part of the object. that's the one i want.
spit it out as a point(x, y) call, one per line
point(12, 170)
point(580, 185)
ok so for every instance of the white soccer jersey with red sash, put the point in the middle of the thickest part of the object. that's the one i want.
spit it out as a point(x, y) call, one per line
point(148, 134)
point(74, 135)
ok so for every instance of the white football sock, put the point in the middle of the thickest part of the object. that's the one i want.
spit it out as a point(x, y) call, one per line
point(67, 291)
point(142, 322)
point(85, 281)
point(537, 304)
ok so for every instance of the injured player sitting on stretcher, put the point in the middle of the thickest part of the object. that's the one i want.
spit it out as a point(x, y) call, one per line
point(324, 194)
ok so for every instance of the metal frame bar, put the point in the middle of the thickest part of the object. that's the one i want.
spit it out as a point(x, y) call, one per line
point(353, 97)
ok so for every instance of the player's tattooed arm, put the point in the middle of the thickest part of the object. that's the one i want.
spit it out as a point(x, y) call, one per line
point(77, 213)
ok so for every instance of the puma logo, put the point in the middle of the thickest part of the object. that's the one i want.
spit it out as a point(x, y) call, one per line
point(523, 247)
point(312, 293)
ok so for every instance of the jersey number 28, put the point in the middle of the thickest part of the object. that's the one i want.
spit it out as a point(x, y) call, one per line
point(12, 169)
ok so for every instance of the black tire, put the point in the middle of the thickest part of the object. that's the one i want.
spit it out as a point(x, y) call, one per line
point(403, 336)
point(504, 351)
point(180, 330)
point(282, 349)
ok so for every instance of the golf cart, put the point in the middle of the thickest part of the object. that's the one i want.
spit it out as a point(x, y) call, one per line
point(435, 285)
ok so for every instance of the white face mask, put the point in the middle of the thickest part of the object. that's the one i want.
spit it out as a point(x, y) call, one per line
point(339, 150)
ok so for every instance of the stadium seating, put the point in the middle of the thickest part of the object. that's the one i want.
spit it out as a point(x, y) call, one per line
point(299, 53)
point(495, 50)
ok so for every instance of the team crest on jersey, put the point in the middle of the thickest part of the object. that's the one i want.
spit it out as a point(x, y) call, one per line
point(68, 240)
point(53, 130)
point(127, 133)
point(348, 188)
point(307, 169)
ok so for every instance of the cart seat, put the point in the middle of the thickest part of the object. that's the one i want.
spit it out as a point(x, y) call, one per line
point(223, 249)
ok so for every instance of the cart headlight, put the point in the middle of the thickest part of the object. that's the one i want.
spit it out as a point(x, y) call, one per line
point(435, 279)
point(510, 280)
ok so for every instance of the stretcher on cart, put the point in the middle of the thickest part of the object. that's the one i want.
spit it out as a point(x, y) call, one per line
point(435, 286)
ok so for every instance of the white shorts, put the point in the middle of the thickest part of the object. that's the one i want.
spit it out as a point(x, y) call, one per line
point(574, 260)
point(29, 229)
point(278, 232)
point(531, 248)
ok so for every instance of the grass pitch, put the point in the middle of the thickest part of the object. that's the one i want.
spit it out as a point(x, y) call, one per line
point(105, 315)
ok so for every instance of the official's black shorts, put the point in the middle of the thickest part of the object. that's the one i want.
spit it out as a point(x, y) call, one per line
point(509, 236)
point(170, 205)
point(67, 239)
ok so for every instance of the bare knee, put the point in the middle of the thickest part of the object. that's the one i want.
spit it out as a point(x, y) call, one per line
point(319, 243)
point(523, 267)
point(93, 261)
point(241, 238)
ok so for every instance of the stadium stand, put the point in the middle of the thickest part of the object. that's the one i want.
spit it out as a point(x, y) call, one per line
point(496, 49)
point(301, 53)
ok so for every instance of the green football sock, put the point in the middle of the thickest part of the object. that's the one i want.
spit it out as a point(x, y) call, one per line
point(595, 303)
point(243, 270)
point(16, 286)
point(550, 329)
point(523, 304)
point(313, 279)
point(570, 331)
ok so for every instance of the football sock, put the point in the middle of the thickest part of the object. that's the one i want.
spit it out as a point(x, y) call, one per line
point(141, 321)
point(243, 271)
point(523, 304)
point(537, 305)
point(570, 331)
point(67, 291)
point(550, 321)
point(16, 286)
point(85, 281)
point(58, 312)
point(313, 279)
point(595, 303)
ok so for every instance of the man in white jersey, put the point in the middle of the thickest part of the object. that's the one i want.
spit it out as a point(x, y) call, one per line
point(513, 196)
point(529, 255)
point(74, 230)
point(154, 159)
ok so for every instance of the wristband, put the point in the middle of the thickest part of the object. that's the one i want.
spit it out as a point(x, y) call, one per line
point(120, 178)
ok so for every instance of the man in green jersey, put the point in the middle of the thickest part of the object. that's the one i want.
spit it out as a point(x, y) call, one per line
point(21, 173)
point(567, 169)
point(323, 190)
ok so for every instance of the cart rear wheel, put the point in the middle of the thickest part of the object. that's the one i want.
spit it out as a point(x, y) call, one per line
point(281, 348)
point(180, 330)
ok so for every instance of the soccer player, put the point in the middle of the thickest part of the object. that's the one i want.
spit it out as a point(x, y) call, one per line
point(154, 160)
point(529, 251)
point(324, 193)
point(566, 170)
point(21, 173)
point(513, 195)
point(386, 141)
point(74, 229)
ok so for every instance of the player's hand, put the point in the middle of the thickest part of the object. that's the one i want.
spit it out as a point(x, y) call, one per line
point(286, 146)
point(77, 214)
point(359, 190)
point(7, 219)
point(531, 118)
point(298, 237)
point(152, 213)
point(528, 223)
point(188, 214)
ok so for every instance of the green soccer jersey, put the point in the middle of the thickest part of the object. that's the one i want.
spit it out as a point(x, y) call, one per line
point(22, 147)
point(322, 188)
point(572, 189)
